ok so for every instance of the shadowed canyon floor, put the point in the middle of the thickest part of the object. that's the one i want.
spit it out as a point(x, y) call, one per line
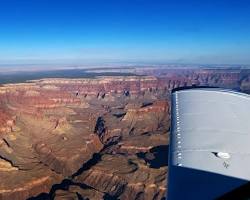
point(93, 138)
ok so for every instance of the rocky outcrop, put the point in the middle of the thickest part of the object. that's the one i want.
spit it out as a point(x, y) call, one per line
point(126, 178)
point(101, 138)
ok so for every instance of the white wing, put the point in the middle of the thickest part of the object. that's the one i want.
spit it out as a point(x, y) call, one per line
point(209, 143)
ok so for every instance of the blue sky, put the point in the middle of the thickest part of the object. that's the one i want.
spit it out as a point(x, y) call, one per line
point(78, 31)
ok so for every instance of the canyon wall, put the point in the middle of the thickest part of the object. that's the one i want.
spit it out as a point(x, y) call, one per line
point(104, 137)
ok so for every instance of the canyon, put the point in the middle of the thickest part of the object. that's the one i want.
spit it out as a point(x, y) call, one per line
point(94, 138)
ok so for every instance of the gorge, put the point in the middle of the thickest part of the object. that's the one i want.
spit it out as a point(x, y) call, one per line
point(94, 138)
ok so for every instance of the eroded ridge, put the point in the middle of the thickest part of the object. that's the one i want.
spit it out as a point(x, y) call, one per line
point(89, 138)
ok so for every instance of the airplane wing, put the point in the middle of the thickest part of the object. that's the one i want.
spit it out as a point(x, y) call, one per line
point(209, 143)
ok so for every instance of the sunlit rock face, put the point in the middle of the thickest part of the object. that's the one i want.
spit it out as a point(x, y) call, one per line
point(98, 138)
point(49, 128)
point(42, 139)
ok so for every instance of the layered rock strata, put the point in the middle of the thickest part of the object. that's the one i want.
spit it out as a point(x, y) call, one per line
point(102, 138)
